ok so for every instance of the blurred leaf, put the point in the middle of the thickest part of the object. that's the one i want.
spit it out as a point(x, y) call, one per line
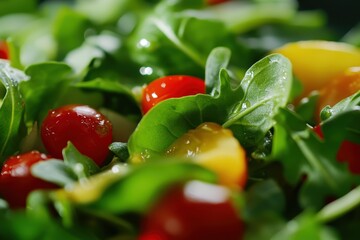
point(138, 189)
point(305, 226)
point(81, 165)
point(47, 82)
point(12, 126)
point(55, 171)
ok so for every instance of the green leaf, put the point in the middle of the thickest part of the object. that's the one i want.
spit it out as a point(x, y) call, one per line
point(340, 206)
point(47, 83)
point(266, 86)
point(116, 96)
point(242, 16)
point(22, 226)
point(218, 58)
point(307, 106)
point(120, 150)
point(170, 119)
point(264, 198)
point(303, 154)
point(81, 165)
point(16, 6)
point(137, 190)
point(11, 111)
point(68, 29)
point(55, 171)
point(80, 59)
point(305, 226)
point(174, 36)
point(345, 104)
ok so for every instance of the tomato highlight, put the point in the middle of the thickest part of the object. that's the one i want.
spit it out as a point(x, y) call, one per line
point(196, 210)
point(16, 180)
point(87, 129)
point(174, 86)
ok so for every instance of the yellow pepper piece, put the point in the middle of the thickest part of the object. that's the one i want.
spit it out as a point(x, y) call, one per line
point(316, 62)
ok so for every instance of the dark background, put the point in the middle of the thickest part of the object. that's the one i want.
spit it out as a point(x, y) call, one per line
point(342, 14)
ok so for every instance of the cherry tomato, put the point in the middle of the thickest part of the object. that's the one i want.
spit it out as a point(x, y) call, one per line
point(4, 51)
point(348, 152)
point(195, 210)
point(16, 180)
point(170, 87)
point(87, 129)
point(214, 2)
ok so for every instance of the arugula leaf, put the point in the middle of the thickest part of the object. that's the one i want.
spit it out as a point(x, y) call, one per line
point(12, 110)
point(249, 125)
point(345, 104)
point(302, 153)
point(267, 87)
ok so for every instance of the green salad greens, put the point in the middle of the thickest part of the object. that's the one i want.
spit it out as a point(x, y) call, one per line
point(104, 53)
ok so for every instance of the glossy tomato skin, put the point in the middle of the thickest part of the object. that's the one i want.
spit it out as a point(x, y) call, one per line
point(170, 87)
point(348, 152)
point(83, 126)
point(4, 50)
point(187, 213)
point(16, 180)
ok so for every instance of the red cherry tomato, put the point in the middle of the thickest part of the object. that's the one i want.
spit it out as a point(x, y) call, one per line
point(87, 129)
point(348, 152)
point(214, 2)
point(194, 211)
point(4, 51)
point(16, 180)
point(170, 87)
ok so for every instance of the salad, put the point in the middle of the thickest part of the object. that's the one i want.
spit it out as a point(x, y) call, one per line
point(178, 119)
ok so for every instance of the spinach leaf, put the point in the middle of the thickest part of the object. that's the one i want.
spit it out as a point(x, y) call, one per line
point(47, 83)
point(247, 110)
point(173, 35)
point(218, 58)
point(82, 166)
point(12, 125)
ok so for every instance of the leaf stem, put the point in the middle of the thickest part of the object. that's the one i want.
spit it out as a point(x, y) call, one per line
point(313, 161)
point(169, 33)
point(340, 207)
